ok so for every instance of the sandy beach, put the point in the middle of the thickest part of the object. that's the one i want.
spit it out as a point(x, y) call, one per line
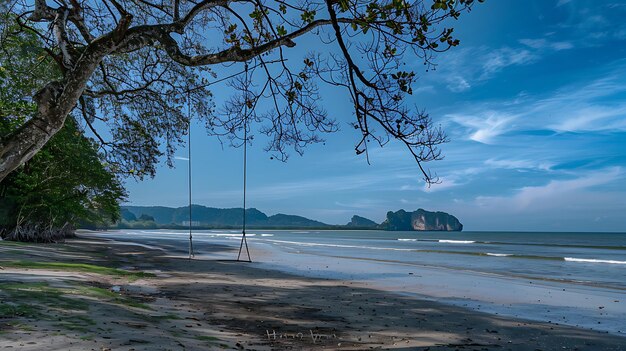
point(96, 294)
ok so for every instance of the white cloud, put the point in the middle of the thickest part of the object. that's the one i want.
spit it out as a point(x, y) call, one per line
point(545, 44)
point(580, 26)
point(417, 202)
point(307, 186)
point(362, 203)
point(444, 183)
point(458, 84)
point(534, 43)
point(552, 194)
point(424, 89)
point(463, 68)
point(583, 107)
point(453, 179)
point(484, 126)
point(562, 2)
point(499, 59)
point(592, 24)
point(407, 187)
point(593, 118)
point(379, 179)
point(181, 158)
point(519, 164)
point(596, 106)
point(562, 45)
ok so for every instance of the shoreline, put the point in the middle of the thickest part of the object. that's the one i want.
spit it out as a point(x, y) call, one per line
point(224, 304)
point(336, 227)
point(531, 298)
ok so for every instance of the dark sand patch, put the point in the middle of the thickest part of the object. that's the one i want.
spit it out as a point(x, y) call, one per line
point(206, 305)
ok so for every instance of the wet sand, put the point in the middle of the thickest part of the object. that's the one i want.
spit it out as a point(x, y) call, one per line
point(219, 304)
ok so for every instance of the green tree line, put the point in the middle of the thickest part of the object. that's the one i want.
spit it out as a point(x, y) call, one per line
point(66, 183)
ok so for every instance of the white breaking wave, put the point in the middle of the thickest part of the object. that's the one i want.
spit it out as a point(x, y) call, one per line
point(592, 260)
point(161, 232)
point(498, 254)
point(221, 235)
point(335, 245)
point(267, 234)
point(457, 241)
point(407, 239)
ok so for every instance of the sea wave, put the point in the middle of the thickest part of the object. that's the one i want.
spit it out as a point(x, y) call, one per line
point(335, 245)
point(457, 241)
point(592, 260)
point(498, 254)
point(159, 232)
point(215, 235)
point(469, 253)
point(512, 243)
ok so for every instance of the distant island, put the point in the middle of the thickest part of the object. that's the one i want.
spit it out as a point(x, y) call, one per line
point(421, 220)
point(151, 217)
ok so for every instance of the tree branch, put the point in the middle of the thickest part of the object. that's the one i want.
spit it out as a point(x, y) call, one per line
point(60, 32)
point(42, 12)
point(233, 54)
point(352, 66)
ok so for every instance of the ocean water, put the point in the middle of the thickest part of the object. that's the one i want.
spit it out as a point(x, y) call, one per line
point(594, 259)
point(577, 279)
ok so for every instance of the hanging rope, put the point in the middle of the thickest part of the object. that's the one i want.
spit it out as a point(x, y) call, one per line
point(245, 171)
point(191, 254)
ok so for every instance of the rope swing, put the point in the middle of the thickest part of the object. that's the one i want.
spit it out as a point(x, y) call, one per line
point(244, 241)
point(191, 254)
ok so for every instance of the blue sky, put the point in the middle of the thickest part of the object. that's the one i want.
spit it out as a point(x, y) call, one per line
point(533, 100)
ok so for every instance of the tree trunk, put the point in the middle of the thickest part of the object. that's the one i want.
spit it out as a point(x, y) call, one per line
point(38, 233)
point(20, 146)
point(54, 103)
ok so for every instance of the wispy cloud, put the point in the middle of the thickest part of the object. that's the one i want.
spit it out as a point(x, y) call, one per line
point(419, 201)
point(591, 23)
point(379, 179)
point(424, 89)
point(562, 2)
point(519, 164)
point(593, 118)
point(444, 184)
point(181, 158)
point(586, 106)
point(580, 24)
point(462, 69)
point(452, 179)
point(409, 187)
point(497, 60)
point(543, 43)
point(457, 84)
point(552, 193)
point(362, 203)
point(484, 126)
